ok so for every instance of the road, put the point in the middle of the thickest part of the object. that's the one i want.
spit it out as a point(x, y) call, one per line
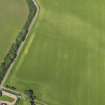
point(22, 44)
point(14, 97)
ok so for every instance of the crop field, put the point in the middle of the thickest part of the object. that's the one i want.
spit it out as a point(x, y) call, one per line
point(13, 14)
point(64, 57)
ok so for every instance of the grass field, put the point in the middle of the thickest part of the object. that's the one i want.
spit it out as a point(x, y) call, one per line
point(6, 98)
point(64, 58)
point(13, 14)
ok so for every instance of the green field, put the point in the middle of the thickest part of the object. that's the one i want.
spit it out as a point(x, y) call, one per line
point(64, 58)
point(6, 98)
point(13, 14)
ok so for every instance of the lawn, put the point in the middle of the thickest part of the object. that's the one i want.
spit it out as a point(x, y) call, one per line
point(64, 58)
point(6, 98)
point(13, 15)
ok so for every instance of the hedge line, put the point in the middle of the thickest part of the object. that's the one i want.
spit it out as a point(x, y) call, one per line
point(12, 53)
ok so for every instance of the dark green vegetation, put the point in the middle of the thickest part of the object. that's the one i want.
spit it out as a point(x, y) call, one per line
point(31, 96)
point(13, 14)
point(63, 61)
point(13, 51)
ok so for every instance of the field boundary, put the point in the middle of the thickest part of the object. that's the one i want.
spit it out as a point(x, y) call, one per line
point(23, 36)
point(22, 44)
point(2, 84)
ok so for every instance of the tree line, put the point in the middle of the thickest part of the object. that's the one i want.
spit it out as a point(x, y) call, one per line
point(12, 53)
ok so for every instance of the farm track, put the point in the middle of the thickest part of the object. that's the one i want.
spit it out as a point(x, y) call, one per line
point(2, 86)
point(22, 44)
point(34, 20)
